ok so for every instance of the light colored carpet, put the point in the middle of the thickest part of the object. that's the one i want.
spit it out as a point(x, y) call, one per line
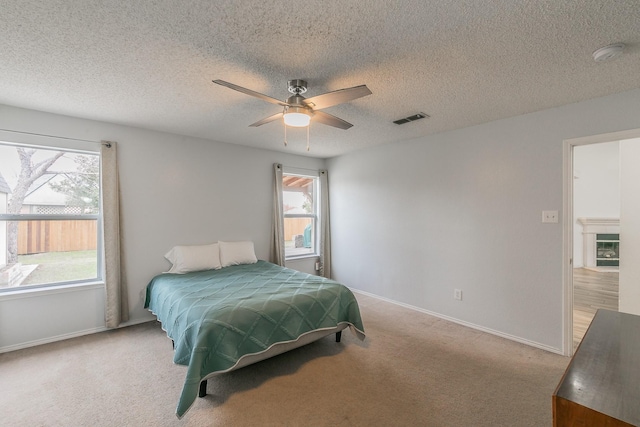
point(412, 370)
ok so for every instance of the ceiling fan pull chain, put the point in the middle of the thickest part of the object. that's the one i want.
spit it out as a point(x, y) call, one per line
point(285, 135)
point(308, 137)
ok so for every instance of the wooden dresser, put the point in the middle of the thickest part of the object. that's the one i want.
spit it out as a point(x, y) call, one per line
point(601, 386)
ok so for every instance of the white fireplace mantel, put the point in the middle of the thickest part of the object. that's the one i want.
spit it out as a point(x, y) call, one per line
point(590, 228)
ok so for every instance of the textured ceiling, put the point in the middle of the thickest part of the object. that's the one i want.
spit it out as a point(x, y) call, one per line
point(150, 63)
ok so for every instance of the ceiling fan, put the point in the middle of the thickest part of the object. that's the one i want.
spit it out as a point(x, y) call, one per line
point(298, 110)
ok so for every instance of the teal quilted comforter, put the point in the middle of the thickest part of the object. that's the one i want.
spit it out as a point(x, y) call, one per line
point(215, 317)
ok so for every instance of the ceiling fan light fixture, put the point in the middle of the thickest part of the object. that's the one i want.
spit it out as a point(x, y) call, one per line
point(298, 117)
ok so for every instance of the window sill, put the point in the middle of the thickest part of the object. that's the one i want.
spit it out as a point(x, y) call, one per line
point(48, 290)
point(301, 257)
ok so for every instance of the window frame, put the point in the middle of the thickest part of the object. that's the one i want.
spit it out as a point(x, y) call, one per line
point(315, 216)
point(68, 145)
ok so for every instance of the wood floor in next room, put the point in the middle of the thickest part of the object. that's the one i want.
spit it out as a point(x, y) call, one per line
point(592, 290)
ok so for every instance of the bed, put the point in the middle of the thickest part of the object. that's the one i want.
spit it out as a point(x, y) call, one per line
point(224, 319)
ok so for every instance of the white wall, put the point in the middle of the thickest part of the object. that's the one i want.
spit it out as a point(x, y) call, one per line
point(412, 221)
point(630, 227)
point(3, 232)
point(174, 190)
point(596, 188)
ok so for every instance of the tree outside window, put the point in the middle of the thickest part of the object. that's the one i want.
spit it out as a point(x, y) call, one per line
point(49, 214)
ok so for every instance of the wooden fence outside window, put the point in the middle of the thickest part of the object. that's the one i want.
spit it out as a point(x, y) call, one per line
point(294, 226)
point(40, 236)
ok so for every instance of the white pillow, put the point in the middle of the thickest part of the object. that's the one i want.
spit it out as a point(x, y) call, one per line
point(194, 258)
point(235, 253)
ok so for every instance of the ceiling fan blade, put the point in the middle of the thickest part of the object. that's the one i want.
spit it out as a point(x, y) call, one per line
point(328, 119)
point(251, 92)
point(336, 97)
point(268, 119)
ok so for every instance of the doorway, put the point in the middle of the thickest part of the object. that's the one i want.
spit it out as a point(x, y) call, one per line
point(594, 246)
point(596, 224)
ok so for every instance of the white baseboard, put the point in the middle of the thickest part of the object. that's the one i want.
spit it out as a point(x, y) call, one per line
point(48, 340)
point(62, 337)
point(467, 324)
point(411, 307)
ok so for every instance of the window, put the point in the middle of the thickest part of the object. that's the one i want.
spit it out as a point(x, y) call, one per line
point(50, 218)
point(301, 212)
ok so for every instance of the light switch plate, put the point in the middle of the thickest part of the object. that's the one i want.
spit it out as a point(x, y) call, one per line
point(550, 216)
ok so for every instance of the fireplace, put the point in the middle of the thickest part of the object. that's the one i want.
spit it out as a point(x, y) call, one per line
point(600, 242)
point(607, 250)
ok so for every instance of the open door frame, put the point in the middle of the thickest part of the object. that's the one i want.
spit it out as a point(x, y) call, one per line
point(567, 223)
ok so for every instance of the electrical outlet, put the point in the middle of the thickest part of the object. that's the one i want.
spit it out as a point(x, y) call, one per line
point(457, 294)
point(550, 216)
